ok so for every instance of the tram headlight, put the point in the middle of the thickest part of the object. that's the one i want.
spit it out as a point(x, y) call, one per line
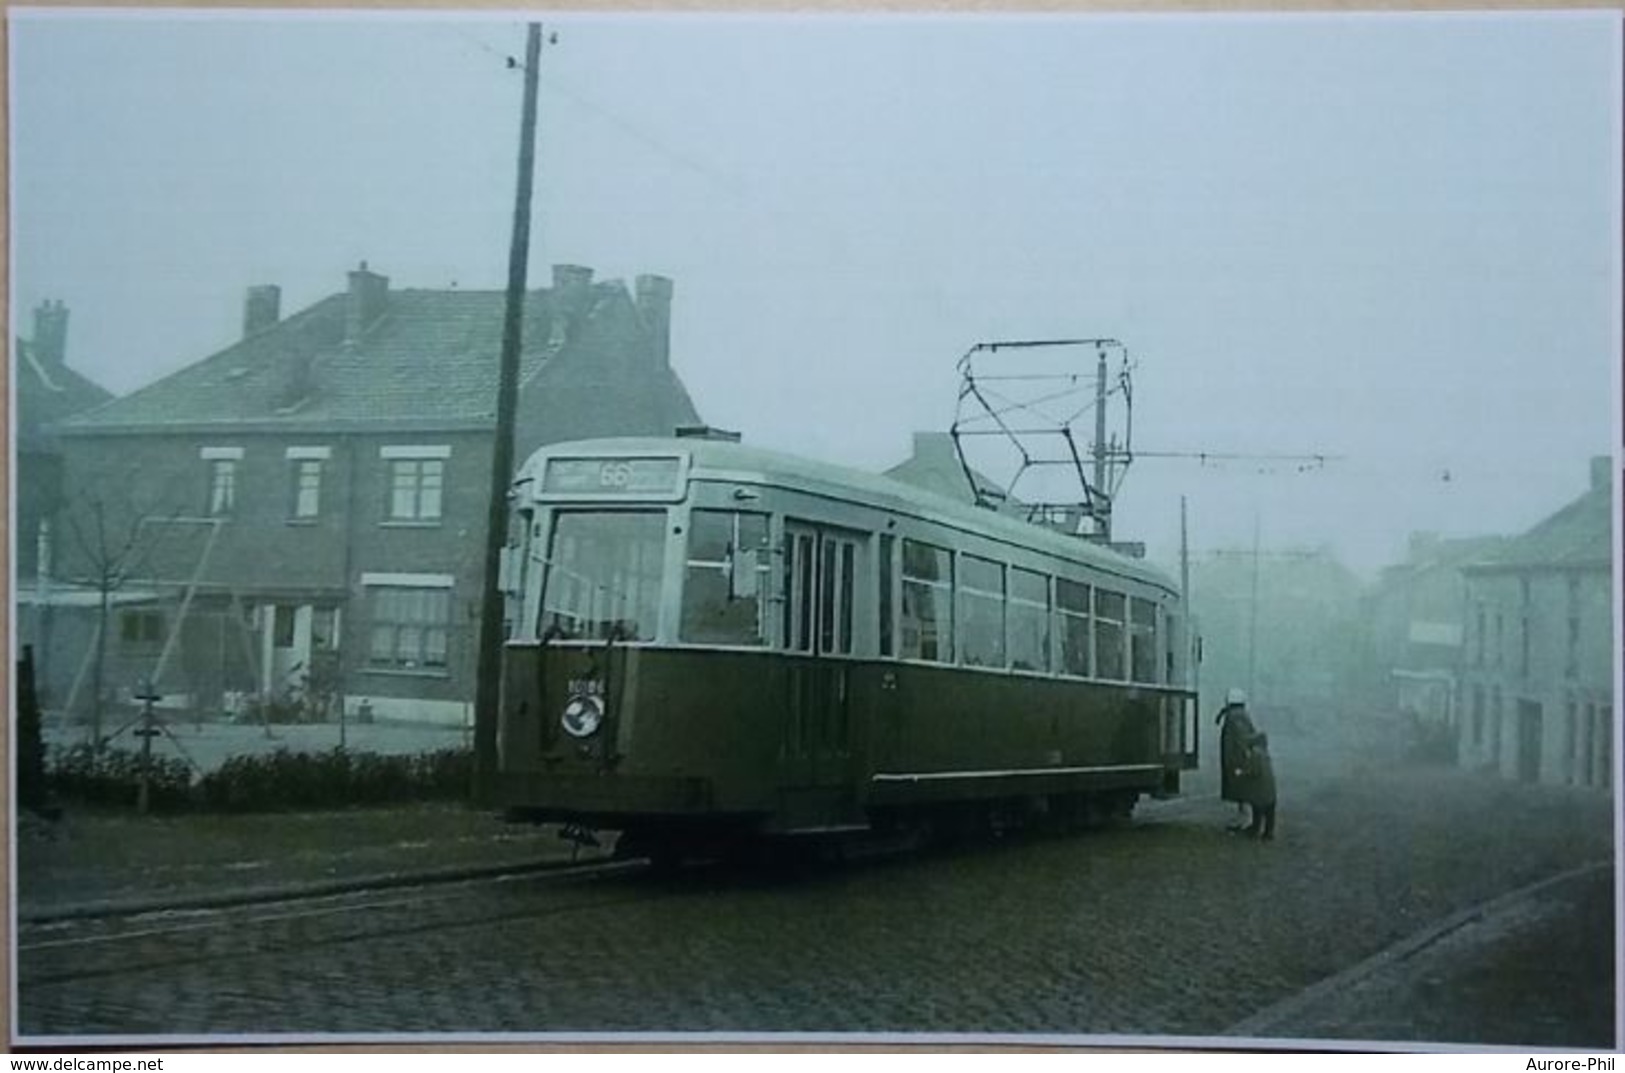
point(583, 715)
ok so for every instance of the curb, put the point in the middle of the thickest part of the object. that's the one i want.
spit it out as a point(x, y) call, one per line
point(325, 888)
point(1267, 1021)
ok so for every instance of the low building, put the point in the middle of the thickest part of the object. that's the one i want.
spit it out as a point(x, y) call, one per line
point(313, 498)
point(1538, 668)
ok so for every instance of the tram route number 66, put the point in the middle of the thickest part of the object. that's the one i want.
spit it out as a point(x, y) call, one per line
point(615, 475)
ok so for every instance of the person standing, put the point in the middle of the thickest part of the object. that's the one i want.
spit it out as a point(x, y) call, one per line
point(1260, 788)
point(1236, 734)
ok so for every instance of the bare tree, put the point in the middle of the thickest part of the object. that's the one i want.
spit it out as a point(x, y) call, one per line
point(112, 539)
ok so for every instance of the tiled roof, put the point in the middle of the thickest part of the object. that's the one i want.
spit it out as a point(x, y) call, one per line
point(48, 393)
point(1581, 534)
point(430, 358)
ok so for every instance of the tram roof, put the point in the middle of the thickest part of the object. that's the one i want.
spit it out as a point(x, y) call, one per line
point(726, 460)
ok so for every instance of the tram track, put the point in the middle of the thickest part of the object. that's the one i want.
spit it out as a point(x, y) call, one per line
point(109, 940)
point(276, 924)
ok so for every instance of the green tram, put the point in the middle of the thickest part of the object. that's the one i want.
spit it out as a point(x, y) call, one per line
point(711, 643)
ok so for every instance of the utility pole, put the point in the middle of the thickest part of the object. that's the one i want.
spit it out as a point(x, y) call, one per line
point(488, 675)
point(1102, 517)
point(1252, 623)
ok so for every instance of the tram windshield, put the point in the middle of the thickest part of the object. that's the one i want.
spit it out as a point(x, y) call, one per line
point(603, 575)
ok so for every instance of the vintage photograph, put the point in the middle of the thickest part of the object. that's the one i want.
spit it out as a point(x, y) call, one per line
point(903, 528)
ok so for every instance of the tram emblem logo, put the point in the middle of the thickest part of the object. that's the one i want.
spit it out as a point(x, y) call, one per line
point(584, 711)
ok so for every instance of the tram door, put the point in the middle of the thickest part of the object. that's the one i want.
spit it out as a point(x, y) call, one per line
point(821, 571)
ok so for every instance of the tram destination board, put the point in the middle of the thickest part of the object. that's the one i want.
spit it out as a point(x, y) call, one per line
point(614, 477)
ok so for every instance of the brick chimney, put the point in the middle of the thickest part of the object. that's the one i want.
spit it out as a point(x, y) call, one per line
point(50, 340)
point(1602, 472)
point(572, 292)
point(654, 306)
point(262, 307)
point(368, 297)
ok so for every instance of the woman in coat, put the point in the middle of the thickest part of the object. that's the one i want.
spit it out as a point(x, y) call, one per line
point(1236, 734)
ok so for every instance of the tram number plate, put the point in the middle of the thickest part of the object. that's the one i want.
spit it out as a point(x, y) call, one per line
point(586, 687)
point(610, 476)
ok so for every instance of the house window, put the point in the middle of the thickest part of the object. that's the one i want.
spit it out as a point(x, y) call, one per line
point(222, 494)
point(1523, 646)
point(141, 627)
point(416, 477)
point(414, 489)
point(307, 487)
point(222, 486)
point(410, 627)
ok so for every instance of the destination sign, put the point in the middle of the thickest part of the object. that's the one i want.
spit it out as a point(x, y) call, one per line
point(611, 476)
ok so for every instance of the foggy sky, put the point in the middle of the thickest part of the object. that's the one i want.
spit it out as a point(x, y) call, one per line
point(1393, 240)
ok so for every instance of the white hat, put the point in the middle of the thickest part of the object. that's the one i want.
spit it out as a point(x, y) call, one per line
point(1235, 696)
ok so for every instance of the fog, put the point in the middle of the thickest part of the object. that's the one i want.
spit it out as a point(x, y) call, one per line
point(1389, 241)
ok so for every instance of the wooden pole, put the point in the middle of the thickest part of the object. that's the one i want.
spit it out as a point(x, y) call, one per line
point(488, 674)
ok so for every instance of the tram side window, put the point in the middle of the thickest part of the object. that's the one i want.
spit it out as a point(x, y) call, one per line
point(927, 619)
point(1173, 635)
point(1109, 657)
point(726, 578)
point(887, 642)
point(603, 575)
point(1029, 620)
point(981, 612)
point(1142, 640)
point(1072, 606)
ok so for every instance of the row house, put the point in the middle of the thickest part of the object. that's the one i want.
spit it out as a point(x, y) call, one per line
point(311, 501)
point(1537, 668)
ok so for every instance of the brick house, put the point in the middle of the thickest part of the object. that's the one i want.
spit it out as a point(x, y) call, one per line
point(1537, 672)
point(312, 499)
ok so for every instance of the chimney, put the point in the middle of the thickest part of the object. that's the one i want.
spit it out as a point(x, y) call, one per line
point(654, 305)
point(50, 333)
point(1602, 472)
point(369, 295)
point(572, 291)
point(262, 307)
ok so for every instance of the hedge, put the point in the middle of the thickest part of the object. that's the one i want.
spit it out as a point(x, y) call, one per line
point(268, 782)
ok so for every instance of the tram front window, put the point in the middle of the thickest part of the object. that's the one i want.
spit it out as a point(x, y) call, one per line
point(604, 574)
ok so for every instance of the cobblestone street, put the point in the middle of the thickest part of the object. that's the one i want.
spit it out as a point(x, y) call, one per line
point(1166, 927)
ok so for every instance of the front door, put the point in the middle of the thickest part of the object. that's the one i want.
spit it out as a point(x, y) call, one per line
point(821, 595)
